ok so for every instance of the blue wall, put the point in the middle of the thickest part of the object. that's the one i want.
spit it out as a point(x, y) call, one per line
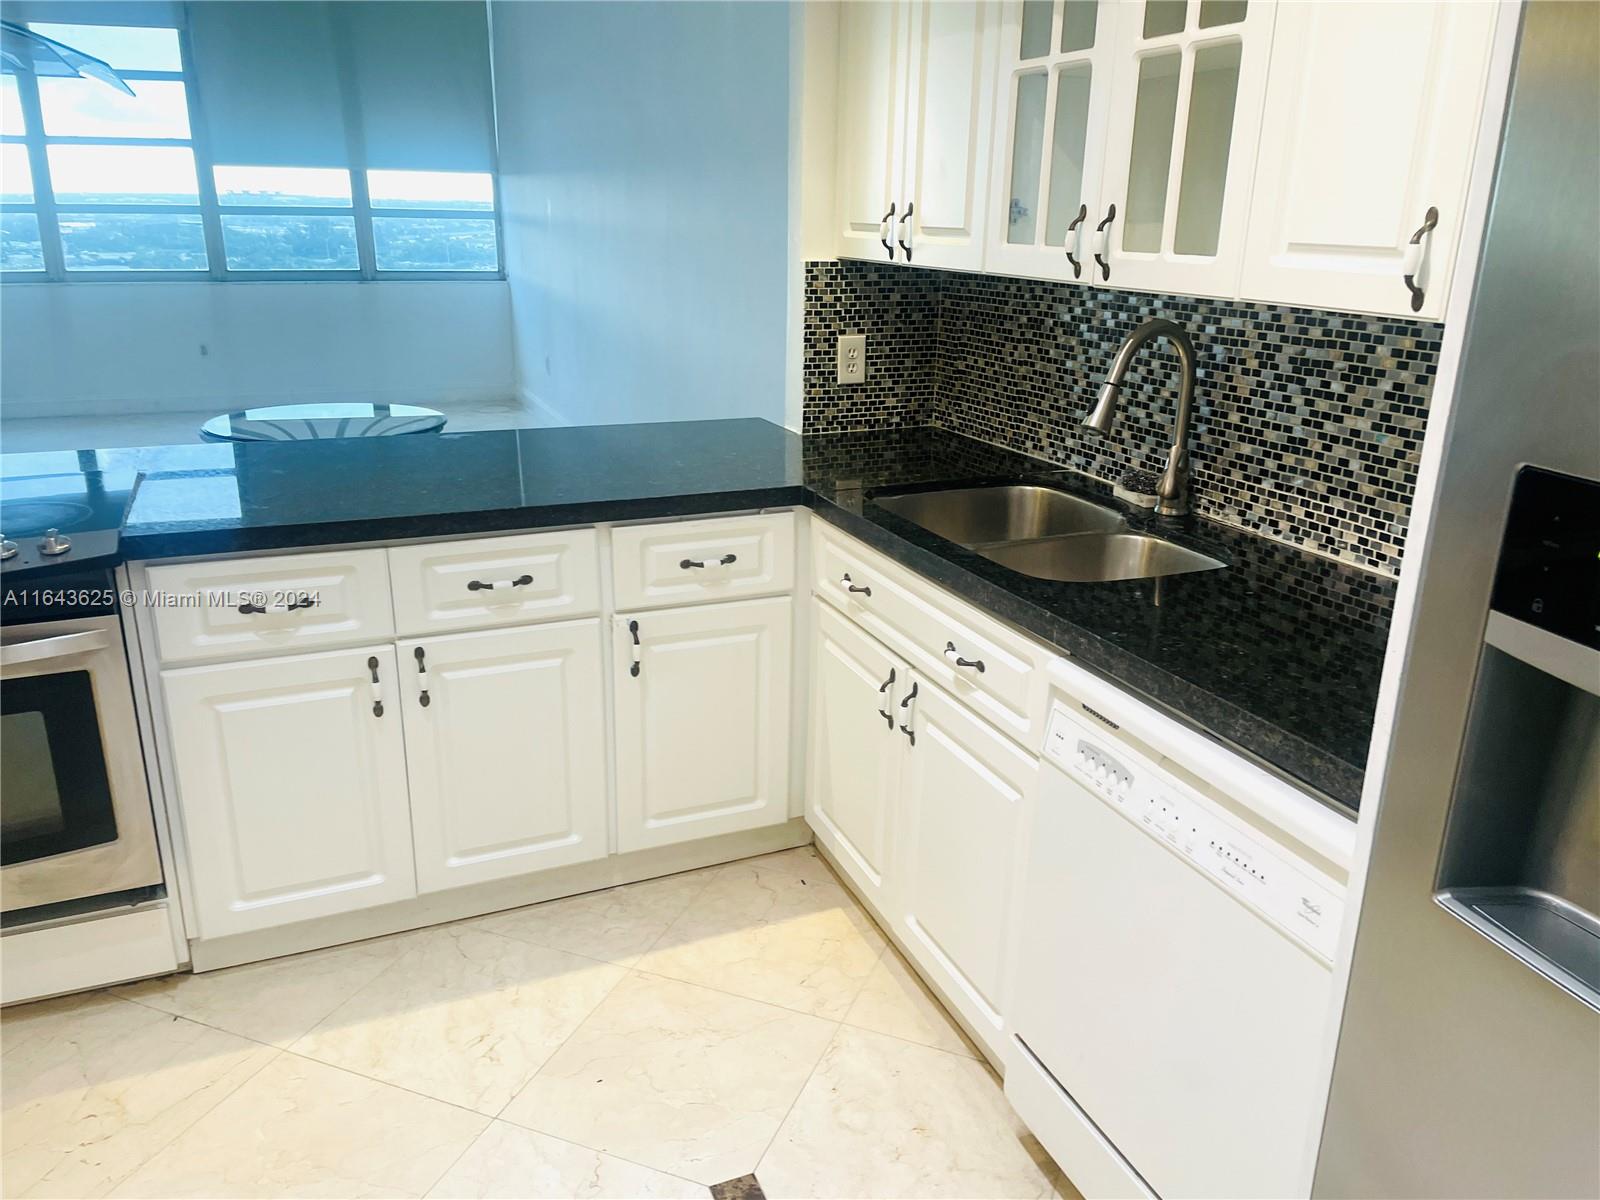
point(644, 156)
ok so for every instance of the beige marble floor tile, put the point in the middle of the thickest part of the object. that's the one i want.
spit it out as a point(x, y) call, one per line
point(91, 1087)
point(463, 1015)
point(678, 1077)
point(896, 1002)
point(798, 859)
point(515, 1163)
point(303, 1129)
point(274, 1001)
point(784, 932)
point(884, 1118)
point(617, 925)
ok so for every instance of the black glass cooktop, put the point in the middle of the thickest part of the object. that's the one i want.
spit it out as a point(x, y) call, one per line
point(82, 509)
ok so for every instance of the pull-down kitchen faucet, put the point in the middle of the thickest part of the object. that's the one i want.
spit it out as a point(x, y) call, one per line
point(1172, 493)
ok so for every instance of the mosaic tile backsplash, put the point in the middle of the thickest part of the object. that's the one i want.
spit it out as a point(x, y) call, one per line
point(1307, 427)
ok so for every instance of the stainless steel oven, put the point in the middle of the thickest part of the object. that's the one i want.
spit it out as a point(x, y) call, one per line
point(75, 816)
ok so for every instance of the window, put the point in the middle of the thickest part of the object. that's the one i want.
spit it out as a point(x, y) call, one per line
point(96, 184)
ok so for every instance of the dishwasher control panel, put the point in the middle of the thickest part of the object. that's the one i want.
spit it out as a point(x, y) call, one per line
point(1265, 877)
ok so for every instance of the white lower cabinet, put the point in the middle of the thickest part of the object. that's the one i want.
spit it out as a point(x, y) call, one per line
point(291, 773)
point(962, 803)
point(856, 748)
point(505, 751)
point(702, 720)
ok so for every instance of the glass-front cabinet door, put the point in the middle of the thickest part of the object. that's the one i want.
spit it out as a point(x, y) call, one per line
point(1057, 61)
point(1180, 149)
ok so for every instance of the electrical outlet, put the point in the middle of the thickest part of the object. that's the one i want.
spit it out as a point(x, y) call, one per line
point(851, 364)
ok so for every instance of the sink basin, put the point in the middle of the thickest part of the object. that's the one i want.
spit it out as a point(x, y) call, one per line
point(1100, 558)
point(980, 516)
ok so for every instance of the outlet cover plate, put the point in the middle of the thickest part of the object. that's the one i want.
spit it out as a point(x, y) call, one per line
point(851, 362)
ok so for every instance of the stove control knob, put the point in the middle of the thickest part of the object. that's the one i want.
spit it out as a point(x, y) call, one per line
point(8, 548)
point(54, 543)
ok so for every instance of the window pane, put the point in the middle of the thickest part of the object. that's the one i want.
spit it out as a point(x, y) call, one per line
point(123, 175)
point(1155, 108)
point(1077, 24)
point(86, 108)
point(434, 244)
point(1027, 153)
point(1222, 12)
point(10, 106)
point(133, 241)
point(257, 242)
point(20, 248)
point(431, 189)
point(299, 187)
point(16, 175)
point(1164, 16)
point(1205, 149)
point(1066, 156)
point(127, 47)
point(1036, 18)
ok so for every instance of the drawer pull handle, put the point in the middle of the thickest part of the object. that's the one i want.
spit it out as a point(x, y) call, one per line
point(883, 689)
point(422, 670)
point(1103, 243)
point(1413, 262)
point(690, 563)
point(1074, 239)
point(905, 728)
point(885, 226)
point(377, 687)
point(633, 669)
point(950, 653)
point(847, 585)
point(298, 602)
point(478, 585)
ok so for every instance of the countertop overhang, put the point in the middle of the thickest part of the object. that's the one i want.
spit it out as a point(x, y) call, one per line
point(1279, 655)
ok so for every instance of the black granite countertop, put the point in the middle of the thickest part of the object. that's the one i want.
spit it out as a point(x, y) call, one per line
point(1279, 655)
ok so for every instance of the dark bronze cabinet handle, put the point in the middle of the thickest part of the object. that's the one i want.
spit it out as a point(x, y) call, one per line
point(377, 687)
point(1083, 215)
point(422, 669)
point(1430, 221)
point(297, 602)
point(911, 734)
point(884, 226)
point(633, 668)
point(690, 563)
point(883, 689)
point(1105, 242)
point(906, 216)
point(950, 652)
point(849, 586)
point(478, 585)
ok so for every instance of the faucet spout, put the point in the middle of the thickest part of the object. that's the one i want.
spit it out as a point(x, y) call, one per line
point(1172, 493)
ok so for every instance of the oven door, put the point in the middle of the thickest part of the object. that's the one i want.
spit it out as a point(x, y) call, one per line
point(75, 818)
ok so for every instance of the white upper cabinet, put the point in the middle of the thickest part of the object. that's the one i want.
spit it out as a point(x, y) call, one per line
point(1056, 63)
point(702, 706)
point(505, 751)
point(950, 106)
point(1372, 112)
point(291, 777)
point(873, 44)
point(916, 96)
point(1185, 115)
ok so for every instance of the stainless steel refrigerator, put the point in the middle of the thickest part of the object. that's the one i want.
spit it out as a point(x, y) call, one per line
point(1468, 1060)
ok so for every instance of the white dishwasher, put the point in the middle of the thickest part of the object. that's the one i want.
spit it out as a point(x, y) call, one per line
point(1171, 995)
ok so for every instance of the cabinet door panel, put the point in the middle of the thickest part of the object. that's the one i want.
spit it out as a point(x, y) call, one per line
point(507, 758)
point(703, 727)
point(1056, 66)
point(962, 799)
point(949, 125)
point(1371, 118)
point(873, 43)
point(855, 752)
point(1181, 147)
point(291, 787)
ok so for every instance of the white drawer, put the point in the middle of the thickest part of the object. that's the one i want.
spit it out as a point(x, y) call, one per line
point(215, 613)
point(495, 581)
point(934, 628)
point(685, 562)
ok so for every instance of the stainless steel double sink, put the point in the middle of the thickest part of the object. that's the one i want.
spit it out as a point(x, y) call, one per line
point(1045, 533)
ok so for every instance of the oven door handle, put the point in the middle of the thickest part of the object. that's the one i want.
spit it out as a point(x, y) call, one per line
point(64, 646)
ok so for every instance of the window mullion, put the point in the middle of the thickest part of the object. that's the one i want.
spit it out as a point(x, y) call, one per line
point(44, 196)
point(355, 140)
point(205, 178)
